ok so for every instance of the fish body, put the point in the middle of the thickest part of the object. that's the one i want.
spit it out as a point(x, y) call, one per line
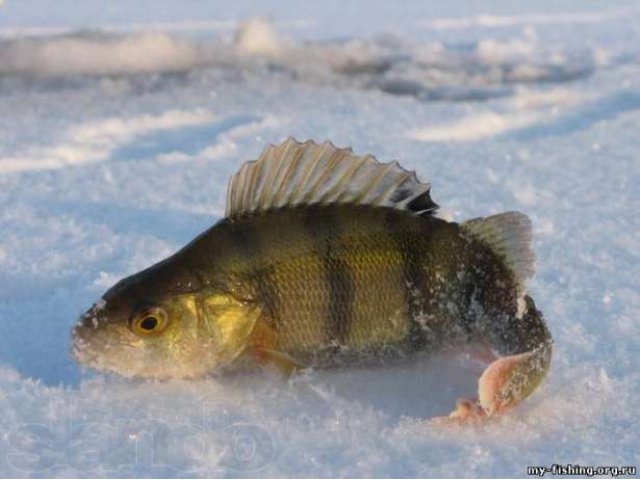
point(355, 279)
point(328, 259)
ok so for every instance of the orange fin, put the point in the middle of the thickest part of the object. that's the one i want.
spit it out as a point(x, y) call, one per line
point(285, 364)
point(467, 410)
point(505, 383)
point(265, 348)
point(264, 336)
point(497, 386)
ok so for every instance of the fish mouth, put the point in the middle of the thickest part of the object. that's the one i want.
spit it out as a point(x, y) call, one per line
point(95, 350)
point(89, 337)
point(100, 342)
point(82, 349)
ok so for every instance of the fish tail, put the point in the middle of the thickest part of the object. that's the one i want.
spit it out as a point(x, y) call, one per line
point(510, 379)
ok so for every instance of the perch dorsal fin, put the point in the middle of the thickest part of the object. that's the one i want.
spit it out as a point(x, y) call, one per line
point(509, 236)
point(295, 173)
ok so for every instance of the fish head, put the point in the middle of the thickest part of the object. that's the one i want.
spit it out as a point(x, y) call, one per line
point(145, 327)
point(142, 327)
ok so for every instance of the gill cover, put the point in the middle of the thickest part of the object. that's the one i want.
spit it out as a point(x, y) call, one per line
point(230, 322)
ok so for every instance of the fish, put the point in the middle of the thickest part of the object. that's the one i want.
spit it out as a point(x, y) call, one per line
point(324, 259)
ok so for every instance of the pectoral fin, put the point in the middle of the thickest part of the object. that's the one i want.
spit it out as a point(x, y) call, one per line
point(265, 348)
point(285, 364)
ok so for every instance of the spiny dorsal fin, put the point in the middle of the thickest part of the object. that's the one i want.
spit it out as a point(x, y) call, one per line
point(308, 173)
point(509, 235)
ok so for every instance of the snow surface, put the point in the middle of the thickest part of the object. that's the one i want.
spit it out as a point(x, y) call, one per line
point(120, 127)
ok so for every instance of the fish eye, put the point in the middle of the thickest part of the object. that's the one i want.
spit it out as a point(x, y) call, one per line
point(151, 321)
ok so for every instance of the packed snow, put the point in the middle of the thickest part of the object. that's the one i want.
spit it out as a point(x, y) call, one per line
point(120, 128)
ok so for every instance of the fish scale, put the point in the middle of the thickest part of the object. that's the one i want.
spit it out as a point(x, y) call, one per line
point(380, 272)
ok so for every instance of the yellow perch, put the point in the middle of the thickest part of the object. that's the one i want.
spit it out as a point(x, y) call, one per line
point(326, 258)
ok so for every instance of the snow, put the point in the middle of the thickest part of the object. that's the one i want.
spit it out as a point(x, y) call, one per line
point(121, 127)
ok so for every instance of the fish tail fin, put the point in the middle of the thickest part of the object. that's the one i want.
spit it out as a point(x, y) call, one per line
point(510, 379)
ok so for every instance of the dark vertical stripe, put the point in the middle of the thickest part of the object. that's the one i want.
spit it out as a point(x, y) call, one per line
point(260, 275)
point(414, 276)
point(324, 229)
point(264, 283)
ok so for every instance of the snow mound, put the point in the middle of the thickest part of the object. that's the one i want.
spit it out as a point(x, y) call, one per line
point(91, 53)
point(259, 37)
point(429, 71)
